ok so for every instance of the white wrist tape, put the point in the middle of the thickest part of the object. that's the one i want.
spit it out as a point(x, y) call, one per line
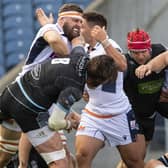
point(53, 156)
point(57, 119)
point(106, 43)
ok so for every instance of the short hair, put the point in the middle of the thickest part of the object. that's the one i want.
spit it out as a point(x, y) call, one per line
point(70, 7)
point(95, 18)
point(101, 69)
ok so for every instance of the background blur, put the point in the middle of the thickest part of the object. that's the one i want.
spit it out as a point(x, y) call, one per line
point(18, 27)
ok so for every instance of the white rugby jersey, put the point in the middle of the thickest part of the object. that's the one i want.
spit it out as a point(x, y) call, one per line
point(40, 49)
point(108, 98)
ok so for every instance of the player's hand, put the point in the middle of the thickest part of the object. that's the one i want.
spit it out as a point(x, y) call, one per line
point(142, 71)
point(74, 118)
point(42, 18)
point(85, 96)
point(98, 33)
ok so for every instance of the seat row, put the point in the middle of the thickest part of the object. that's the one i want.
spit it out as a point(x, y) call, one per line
point(19, 26)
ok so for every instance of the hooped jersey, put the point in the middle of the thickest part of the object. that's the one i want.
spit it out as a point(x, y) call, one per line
point(108, 98)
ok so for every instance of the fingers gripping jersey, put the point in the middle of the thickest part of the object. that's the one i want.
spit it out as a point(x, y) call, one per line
point(66, 99)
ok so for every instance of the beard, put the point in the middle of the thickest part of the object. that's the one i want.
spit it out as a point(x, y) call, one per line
point(71, 32)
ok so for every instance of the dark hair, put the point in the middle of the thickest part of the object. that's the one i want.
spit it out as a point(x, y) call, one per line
point(101, 69)
point(70, 7)
point(94, 18)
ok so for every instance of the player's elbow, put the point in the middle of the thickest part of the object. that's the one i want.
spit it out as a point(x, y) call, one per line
point(122, 67)
point(52, 40)
point(52, 37)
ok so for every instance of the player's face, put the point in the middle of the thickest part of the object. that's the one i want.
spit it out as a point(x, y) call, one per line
point(141, 57)
point(86, 32)
point(72, 27)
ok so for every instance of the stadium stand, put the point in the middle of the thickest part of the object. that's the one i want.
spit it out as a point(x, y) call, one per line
point(17, 30)
point(5, 2)
point(17, 9)
point(19, 33)
point(17, 21)
point(19, 26)
point(48, 6)
point(15, 51)
point(82, 3)
point(14, 59)
point(2, 68)
point(1, 51)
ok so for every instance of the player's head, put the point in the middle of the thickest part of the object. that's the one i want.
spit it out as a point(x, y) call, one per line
point(101, 69)
point(70, 19)
point(91, 19)
point(139, 45)
point(138, 40)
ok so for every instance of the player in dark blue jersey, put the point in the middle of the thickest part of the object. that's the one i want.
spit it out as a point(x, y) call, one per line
point(144, 94)
point(52, 40)
point(60, 80)
point(156, 65)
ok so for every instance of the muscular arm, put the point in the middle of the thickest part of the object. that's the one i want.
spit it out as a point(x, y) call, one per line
point(24, 151)
point(117, 56)
point(156, 65)
point(159, 62)
point(100, 35)
point(52, 36)
point(56, 43)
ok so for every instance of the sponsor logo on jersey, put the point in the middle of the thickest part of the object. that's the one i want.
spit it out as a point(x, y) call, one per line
point(35, 72)
point(150, 87)
point(60, 61)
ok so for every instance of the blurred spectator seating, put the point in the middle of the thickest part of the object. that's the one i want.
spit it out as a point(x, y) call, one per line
point(20, 25)
point(49, 6)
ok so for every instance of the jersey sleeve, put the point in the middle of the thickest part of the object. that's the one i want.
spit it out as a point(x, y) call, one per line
point(115, 45)
point(46, 28)
point(69, 96)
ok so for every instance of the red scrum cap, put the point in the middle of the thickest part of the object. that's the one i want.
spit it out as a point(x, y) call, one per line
point(138, 40)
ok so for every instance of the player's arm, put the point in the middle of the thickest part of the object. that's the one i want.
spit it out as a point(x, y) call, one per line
point(24, 151)
point(159, 62)
point(156, 65)
point(51, 35)
point(56, 43)
point(67, 98)
point(100, 35)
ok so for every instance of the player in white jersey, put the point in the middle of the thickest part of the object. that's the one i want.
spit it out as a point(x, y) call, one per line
point(47, 43)
point(108, 116)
